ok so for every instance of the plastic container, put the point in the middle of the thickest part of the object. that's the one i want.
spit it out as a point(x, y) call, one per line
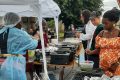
point(86, 66)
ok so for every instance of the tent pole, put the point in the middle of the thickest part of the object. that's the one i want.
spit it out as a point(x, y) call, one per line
point(43, 47)
point(37, 9)
point(56, 27)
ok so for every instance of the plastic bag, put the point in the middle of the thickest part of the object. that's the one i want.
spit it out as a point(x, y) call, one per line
point(13, 68)
point(105, 77)
point(116, 78)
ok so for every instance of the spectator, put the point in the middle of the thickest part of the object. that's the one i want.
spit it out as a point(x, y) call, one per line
point(36, 32)
point(45, 34)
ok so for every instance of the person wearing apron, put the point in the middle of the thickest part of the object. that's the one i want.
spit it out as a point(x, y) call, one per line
point(13, 45)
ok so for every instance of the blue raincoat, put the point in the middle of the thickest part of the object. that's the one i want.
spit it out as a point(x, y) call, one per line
point(13, 68)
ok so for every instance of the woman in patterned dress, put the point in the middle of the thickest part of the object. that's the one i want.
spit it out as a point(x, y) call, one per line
point(108, 44)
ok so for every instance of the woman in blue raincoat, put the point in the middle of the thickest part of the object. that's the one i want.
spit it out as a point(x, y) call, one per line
point(14, 42)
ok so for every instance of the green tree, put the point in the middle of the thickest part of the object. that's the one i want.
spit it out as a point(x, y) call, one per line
point(71, 9)
point(92, 5)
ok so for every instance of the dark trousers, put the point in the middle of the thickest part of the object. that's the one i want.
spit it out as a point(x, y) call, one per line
point(85, 46)
point(95, 59)
point(38, 68)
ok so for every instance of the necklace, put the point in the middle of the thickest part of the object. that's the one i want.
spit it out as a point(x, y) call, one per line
point(110, 33)
point(111, 30)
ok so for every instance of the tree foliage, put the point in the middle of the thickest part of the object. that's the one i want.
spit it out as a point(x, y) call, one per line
point(71, 9)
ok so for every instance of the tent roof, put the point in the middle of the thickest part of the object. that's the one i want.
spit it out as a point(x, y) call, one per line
point(109, 4)
point(18, 2)
point(49, 9)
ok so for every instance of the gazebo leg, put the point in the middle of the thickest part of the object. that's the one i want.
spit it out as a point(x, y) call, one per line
point(62, 74)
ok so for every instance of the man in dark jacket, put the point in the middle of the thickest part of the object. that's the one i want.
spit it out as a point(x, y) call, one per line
point(95, 19)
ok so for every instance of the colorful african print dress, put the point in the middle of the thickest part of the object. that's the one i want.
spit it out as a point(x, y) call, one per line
point(109, 53)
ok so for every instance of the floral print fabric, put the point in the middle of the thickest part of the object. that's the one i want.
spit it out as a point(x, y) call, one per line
point(109, 53)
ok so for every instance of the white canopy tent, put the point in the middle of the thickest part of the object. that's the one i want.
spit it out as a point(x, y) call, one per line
point(19, 2)
point(109, 4)
point(36, 8)
point(48, 9)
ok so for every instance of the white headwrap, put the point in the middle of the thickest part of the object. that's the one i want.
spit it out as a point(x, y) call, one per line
point(10, 20)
